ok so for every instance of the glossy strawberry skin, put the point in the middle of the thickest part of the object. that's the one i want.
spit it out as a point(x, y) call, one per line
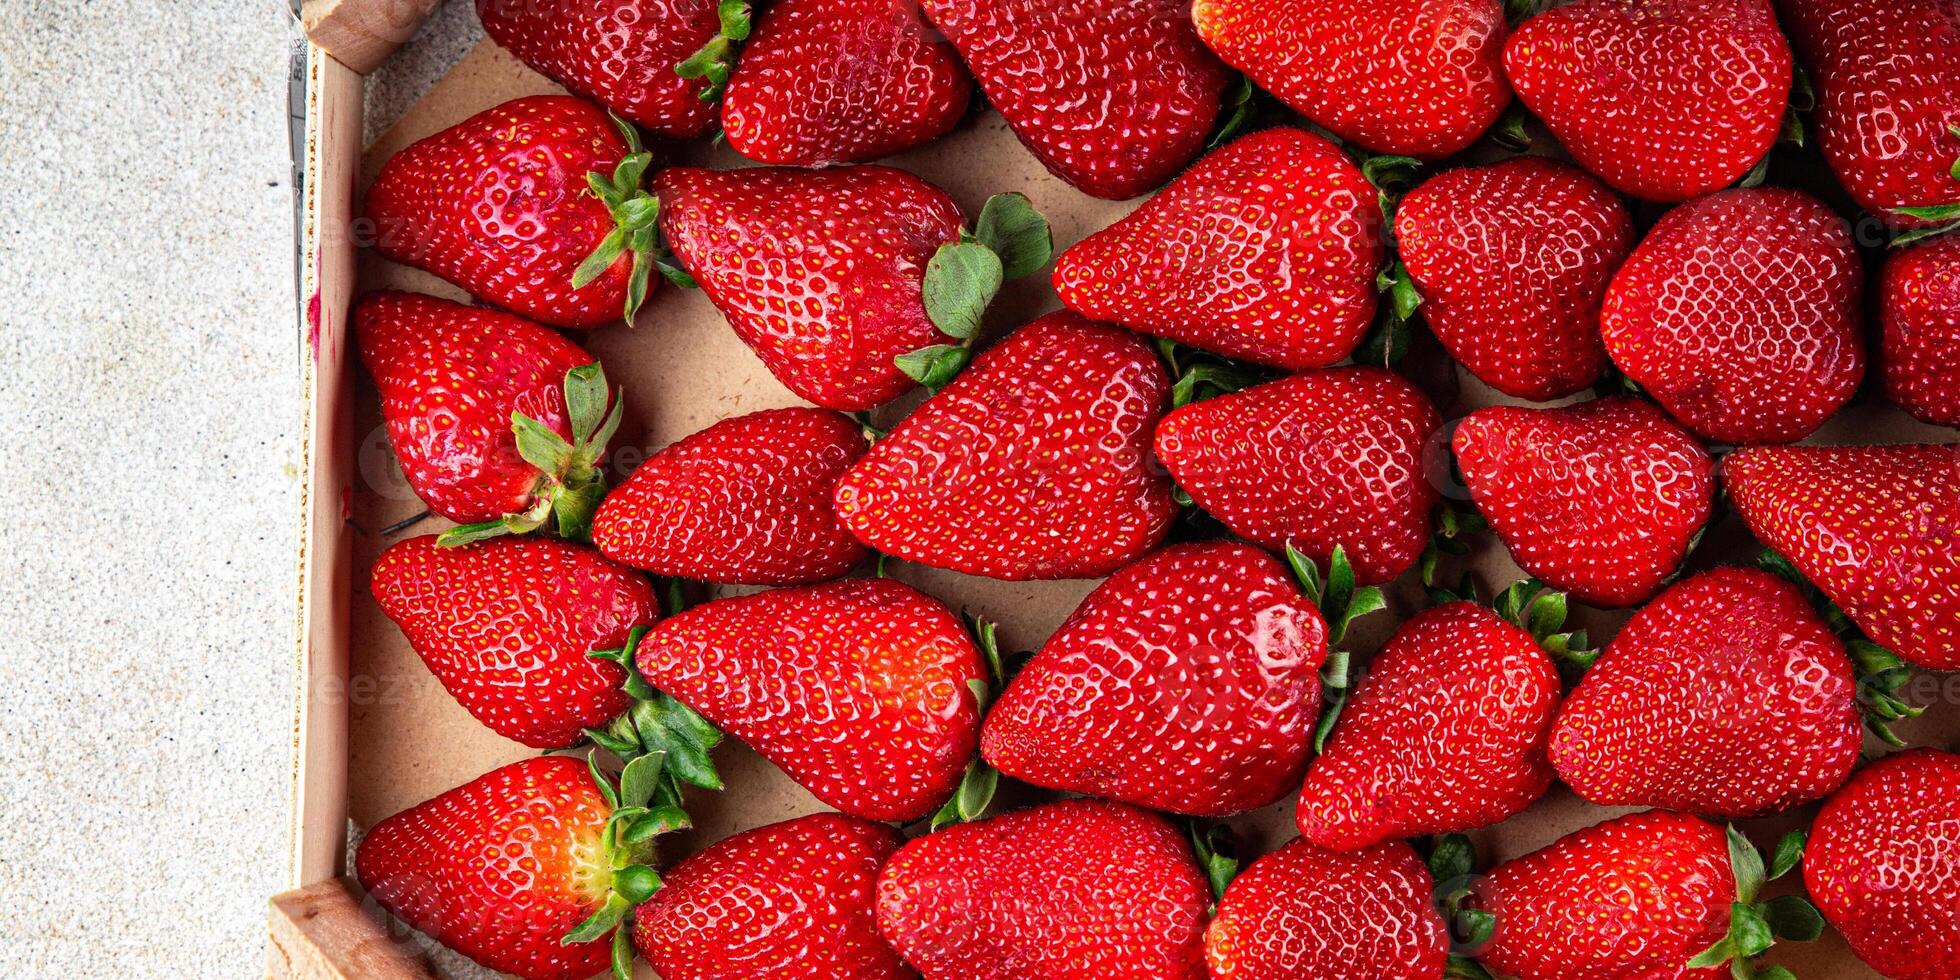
point(500, 868)
point(449, 377)
point(1886, 95)
point(746, 501)
point(1740, 313)
point(794, 900)
point(1033, 464)
point(1512, 261)
point(1320, 460)
point(1155, 87)
point(1919, 307)
point(819, 272)
point(506, 625)
point(831, 81)
point(619, 53)
point(1727, 696)
point(857, 689)
point(1883, 864)
point(1664, 99)
point(1445, 733)
point(1632, 898)
point(1418, 77)
point(1188, 682)
point(1600, 499)
point(498, 204)
point(1874, 527)
point(1077, 888)
point(1266, 251)
point(1303, 911)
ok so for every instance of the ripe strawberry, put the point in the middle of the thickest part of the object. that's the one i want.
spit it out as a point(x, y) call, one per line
point(1302, 911)
point(745, 501)
point(1919, 306)
point(1881, 864)
point(475, 402)
point(1266, 251)
point(1740, 314)
point(1417, 77)
point(1316, 461)
point(1512, 261)
point(506, 625)
point(1888, 101)
point(1602, 499)
point(1112, 97)
point(791, 900)
point(514, 204)
point(859, 690)
point(1663, 99)
point(830, 81)
point(1078, 888)
point(1874, 527)
point(1208, 647)
point(1033, 464)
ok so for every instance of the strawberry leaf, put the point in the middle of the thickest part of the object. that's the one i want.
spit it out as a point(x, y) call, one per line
point(600, 922)
point(1217, 854)
point(1792, 917)
point(970, 801)
point(1747, 864)
point(1016, 233)
point(934, 367)
point(961, 279)
point(622, 954)
point(1788, 854)
point(602, 258)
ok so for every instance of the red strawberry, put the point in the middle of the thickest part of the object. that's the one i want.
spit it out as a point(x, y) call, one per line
point(1512, 261)
point(1602, 499)
point(1306, 912)
point(1266, 251)
point(859, 690)
point(1727, 695)
point(746, 500)
point(506, 626)
point(514, 204)
point(792, 901)
point(1919, 304)
point(1419, 77)
point(1888, 100)
point(1883, 864)
point(1079, 888)
point(1187, 682)
point(1316, 461)
point(1113, 97)
point(475, 404)
point(1033, 464)
point(1740, 314)
point(829, 81)
point(1664, 99)
point(1875, 527)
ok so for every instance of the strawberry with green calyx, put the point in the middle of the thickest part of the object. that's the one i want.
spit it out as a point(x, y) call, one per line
point(619, 53)
point(1008, 241)
point(1756, 924)
point(645, 804)
point(657, 724)
point(977, 784)
point(1881, 674)
point(1452, 865)
point(636, 217)
point(715, 60)
point(1340, 601)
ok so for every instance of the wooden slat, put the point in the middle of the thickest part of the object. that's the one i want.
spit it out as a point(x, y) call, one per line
point(321, 933)
point(362, 33)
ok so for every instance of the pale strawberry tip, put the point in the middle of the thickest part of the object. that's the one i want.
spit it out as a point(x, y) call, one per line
point(570, 483)
point(644, 806)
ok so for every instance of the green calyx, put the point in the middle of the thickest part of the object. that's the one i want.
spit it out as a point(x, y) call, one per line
point(1392, 177)
point(636, 226)
point(641, 812)
point(658, 724)
point(1452, 866)
point(1510, 131)
point(975, 793)
point(1010, 240)
point(1755, 925)
point(1541, 611)
point(570, 483)
point(1454, 525)
point(1201, 374)
point(715, 60)
point(1238, 108)
point(1388, 342)
point(1341, 603)
point(1217, 853)
point(1946, 216)
point(1881, 674)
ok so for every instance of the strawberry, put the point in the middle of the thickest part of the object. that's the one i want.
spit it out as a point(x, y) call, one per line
point(793, 900)
point(1512, 261)
point(1033, 464)
point(475, 402)
point(1874, 527)
point(1888, 101)
point(830, 81)
point(1740, 314)
point(1302, 911)
point(746, 501)
point(1265, 250)
point(1078, 888)
point(506, 625)
point(1316, 461)
point(1727, 695)
point(859, 690)
point(1416, 77)
point(1602, 499)
point(1209, 647)
point(1663, 99)
point(1881, 864)
point(1919, 307)
point(1112, 97)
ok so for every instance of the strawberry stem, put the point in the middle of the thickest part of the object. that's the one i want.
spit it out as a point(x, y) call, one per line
point(570, 483)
